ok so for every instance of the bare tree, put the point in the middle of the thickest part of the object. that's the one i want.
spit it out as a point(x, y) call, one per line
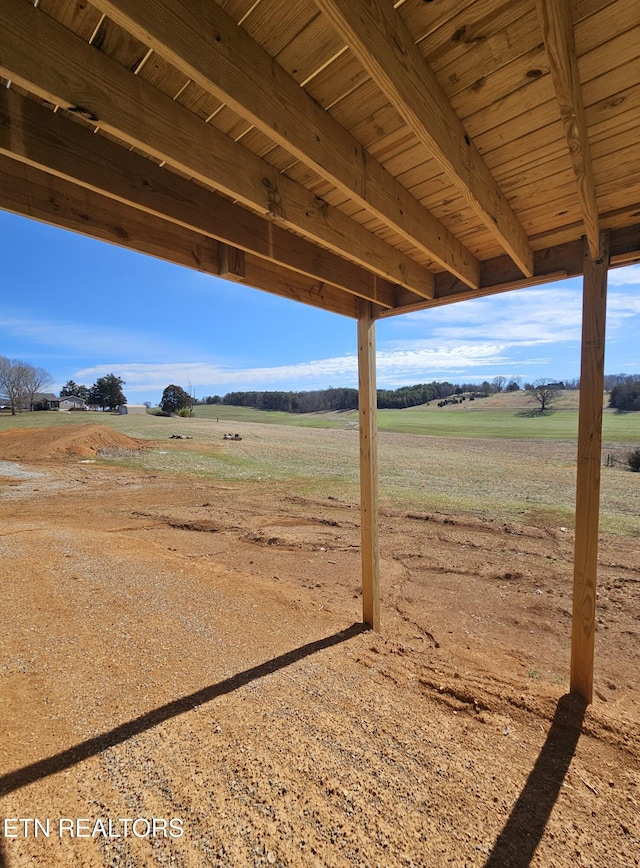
point(20, 382)
point(499, 383)
point(12, 383)
point(35, 380)
point(544, 393)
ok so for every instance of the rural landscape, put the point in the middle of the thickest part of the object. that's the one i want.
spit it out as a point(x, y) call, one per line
point(181, 641)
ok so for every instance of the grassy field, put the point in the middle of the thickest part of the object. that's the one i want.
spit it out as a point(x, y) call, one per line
point(488, 462)
point(505, 417)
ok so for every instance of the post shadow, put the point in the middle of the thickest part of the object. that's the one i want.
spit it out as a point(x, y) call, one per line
point(523, 831)
point(72, 756)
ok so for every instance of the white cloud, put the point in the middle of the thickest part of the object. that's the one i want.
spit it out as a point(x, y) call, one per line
point(394, 366)
point(627, 276)
point(144, 377)
point(525, 317)
point(80, 339)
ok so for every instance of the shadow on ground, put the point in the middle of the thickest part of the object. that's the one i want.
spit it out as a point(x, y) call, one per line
point(72, 756)
point(525, 827)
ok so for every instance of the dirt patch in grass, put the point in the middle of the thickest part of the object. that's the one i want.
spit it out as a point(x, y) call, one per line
point(187, 647)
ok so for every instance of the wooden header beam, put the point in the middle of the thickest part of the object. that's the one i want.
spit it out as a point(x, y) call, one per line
point(203, 42)
point(32, 193)
point(378, 36)
point(501, 275)
point(33, 134)
point(109, 95)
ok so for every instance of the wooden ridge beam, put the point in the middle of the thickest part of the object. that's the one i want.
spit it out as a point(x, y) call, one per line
point(32, 193)
point(33, 134)
point(557, 29)
point(377, 35)
point(109, 95)
point(203, 42)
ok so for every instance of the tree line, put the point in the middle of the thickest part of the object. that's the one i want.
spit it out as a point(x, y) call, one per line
point(337, 399)
point(624, 389)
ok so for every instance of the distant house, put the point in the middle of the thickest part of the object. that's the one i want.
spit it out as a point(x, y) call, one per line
point(72, 402)
point(45, 401)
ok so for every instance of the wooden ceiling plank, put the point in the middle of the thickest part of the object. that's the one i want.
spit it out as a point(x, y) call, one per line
point(119, 44)
point(312, 50)
point(125, 105)
point(451, 38)
point(377, 35)
point(34, 194)
point(292, 18)
point(557, 30)
point(80, 16)
point(35, 135)
point(498, 48)
point(203, 42)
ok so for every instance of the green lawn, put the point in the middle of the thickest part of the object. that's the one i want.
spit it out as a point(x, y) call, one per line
point(618, 428)
point(506, 417)
point(503, 417)
point(274, 417)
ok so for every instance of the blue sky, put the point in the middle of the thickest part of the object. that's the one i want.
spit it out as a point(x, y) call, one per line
point(81, 309)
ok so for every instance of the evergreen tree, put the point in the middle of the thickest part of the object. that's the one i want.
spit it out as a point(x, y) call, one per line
point(107, 393)
point(174, 398)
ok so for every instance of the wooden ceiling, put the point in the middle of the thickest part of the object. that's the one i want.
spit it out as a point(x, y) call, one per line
point(409, 154)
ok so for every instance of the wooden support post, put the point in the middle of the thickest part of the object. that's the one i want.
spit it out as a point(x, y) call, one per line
point(368, 466)
point(588, 478)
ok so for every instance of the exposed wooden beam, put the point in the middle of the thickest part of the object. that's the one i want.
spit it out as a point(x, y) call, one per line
point(377, 35)
point(232, 263)
point(367, 404)
point(566, 260)
point(33, 193)
point(405, 306)
point(206, 44)
point(501, 275)
point(101, 90)
point(31, 133)
point(557, 29)
point(594, 309)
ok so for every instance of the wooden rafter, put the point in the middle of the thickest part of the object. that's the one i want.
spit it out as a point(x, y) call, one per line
point(377, 35)
point(36, 194)
point(557, 29)
point(33, 134)
point(100, 89)
point(203, 42)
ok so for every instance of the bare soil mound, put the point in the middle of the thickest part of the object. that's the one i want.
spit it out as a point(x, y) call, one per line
point(84, 440)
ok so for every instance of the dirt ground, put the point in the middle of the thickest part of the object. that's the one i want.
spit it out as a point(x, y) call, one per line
point(186, 654)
